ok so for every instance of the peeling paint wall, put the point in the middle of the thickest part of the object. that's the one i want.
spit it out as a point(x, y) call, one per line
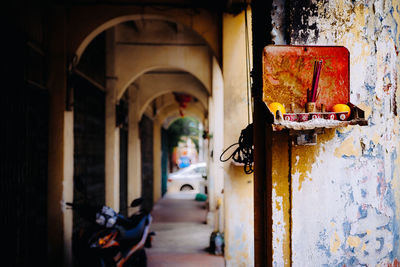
point(281, 203)
point(346, 189)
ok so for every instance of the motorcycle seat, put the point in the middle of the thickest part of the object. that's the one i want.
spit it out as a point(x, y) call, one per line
point(134, 232)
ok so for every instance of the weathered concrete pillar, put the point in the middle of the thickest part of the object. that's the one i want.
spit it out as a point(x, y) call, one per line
point(156, 159)
point(112, 132)
point(61, 149)
point(211, 216)
point(68, 192)
point(238, 190)
point(216, 122)
point(134, 157)
point(218, 136)
point(201, 143)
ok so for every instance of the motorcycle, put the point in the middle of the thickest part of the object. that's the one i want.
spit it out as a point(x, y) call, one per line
point(116, 240)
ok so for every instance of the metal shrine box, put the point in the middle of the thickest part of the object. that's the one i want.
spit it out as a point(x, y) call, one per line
point(288, 74)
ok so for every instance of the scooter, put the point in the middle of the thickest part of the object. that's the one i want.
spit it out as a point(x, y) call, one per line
point(116, 240)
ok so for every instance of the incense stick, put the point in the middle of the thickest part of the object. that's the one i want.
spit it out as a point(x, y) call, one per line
point(312, 96)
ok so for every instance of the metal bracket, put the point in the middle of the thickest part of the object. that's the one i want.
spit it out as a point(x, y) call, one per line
point(306, 137)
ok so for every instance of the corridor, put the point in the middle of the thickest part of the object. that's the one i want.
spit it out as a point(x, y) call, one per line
point(181, 233)
point(96, 91)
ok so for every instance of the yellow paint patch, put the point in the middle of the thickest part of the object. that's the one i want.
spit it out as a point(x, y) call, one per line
point(335, 243)
point(305, 156)
point(368, 232)
point(359, 20)
point(353, 241)
point(376, 138)
point(364, 247)
point(281, 190)
point(344, 130)
point(367, 109)
point(278, 205)
point(347, 149)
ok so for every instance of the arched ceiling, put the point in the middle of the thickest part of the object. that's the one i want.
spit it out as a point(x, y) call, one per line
point(157, 32)
point(165, 106)
point(171, 112)
point(160, 57)
point(83, 30)
point(163, 81)
point(146, 45)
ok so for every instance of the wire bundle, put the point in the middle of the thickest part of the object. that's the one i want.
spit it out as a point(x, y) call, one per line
point(244, 152)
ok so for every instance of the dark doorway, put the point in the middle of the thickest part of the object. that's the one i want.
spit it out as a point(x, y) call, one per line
point(146, 142)
point(89, 153)
point(24, 172)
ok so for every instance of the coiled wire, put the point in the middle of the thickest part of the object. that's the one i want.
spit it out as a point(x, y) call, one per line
point(244, 152)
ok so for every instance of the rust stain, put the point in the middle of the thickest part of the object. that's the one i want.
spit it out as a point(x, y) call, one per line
point(396, 263)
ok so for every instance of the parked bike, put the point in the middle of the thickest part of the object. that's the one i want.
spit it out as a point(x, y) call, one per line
point(115, 240)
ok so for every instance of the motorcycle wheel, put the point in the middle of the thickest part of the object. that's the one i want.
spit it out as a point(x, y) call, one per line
point(138, 259)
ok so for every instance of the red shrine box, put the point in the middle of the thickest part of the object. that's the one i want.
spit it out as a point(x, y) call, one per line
point(288, 74)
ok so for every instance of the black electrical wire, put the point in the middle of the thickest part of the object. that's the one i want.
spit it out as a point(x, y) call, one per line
point(244, 152)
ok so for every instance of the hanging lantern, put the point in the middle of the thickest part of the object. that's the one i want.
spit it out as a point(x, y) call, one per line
point(182, 99)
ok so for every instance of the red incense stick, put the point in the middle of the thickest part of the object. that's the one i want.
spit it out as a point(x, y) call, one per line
point(316, 75)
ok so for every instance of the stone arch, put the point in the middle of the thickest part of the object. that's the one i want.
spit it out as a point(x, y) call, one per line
point(172, 110)
point(169, 109)
point(196, 60)
point(197, 64)
point(163, 84)
point(84, 31)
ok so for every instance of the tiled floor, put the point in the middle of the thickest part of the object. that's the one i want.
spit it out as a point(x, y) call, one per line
point(181, 234)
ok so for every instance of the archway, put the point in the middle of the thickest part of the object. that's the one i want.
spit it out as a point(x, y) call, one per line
point(131, 69)
point(159, 109)
point(202, 22)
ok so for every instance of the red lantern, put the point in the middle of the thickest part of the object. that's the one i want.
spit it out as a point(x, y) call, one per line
point(182, 100)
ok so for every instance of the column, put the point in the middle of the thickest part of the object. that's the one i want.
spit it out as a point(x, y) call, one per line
point(156, 159)
point(112, 132)
point(134, 157)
